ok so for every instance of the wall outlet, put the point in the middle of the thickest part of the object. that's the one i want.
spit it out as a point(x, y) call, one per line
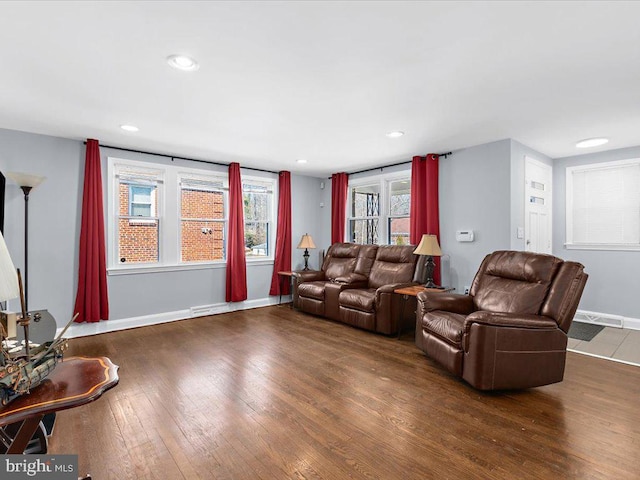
point(466, 290)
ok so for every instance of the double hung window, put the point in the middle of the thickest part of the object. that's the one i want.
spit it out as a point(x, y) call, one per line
point(137, 223)
point(202, 218)
point(379, 210)
point(364, 221)
point(257, 196)
point(603, 206)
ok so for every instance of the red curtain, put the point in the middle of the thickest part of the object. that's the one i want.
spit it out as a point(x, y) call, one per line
point(236, 260)
point(282, 262)
point(424, 216)
point(339, 191)
point(92, 300)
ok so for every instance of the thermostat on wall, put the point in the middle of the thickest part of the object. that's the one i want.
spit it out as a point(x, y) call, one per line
point(464, 235)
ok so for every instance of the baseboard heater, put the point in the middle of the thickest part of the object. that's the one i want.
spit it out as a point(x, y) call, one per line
point(205, 310)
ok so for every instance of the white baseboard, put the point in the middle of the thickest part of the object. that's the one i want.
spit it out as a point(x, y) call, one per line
point(86, 329)
point(602, 357)
point(607, 319)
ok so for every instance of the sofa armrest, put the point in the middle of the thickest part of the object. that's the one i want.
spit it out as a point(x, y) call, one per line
point(515, 320)
point(449, 302)
point(353, 280)
point(389, 288)
point(302, 276)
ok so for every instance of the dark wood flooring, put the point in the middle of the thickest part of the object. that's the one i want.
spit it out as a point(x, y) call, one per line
point(272, 393)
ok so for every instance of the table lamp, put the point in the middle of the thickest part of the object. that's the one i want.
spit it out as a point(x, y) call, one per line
point(429, 247)
point(306, 242)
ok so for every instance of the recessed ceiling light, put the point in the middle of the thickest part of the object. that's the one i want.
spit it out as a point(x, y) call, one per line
point(301, 160)
point(592, 142)
point(182, 62)
point(396, 134)
point(129, 128)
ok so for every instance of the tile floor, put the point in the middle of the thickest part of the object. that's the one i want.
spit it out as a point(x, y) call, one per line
point(616, 343)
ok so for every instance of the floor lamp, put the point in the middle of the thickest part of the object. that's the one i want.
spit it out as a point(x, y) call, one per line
point(27, 183)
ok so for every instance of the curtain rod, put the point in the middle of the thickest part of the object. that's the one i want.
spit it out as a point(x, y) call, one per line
point(173, 157)
point(445, 155)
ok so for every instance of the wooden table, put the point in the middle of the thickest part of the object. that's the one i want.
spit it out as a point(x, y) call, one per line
point(413, 291)
point(74, 382)
point(281, 277)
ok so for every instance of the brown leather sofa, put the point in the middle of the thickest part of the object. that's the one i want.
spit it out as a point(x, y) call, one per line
point(356, 283)
point(511, 330)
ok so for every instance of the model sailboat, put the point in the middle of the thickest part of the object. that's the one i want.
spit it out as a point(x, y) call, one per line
point(22, 366)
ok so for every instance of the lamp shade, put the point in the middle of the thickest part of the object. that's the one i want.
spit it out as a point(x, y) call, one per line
point(306, 242)
point(26, 179)
point(8, 277)
point(428, 246)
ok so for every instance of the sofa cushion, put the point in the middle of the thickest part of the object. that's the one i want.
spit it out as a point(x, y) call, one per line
point(358, 299)
point(312, 290)
point(393, 264)
point(366, 257)
point(447, 326)
point(340, 260)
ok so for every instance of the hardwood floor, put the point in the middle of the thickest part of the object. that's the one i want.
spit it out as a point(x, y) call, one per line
point(272, 393)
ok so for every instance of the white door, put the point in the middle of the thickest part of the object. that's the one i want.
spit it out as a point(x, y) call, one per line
point(537, 206)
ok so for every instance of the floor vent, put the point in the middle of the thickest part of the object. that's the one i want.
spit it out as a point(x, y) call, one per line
point(599, 319)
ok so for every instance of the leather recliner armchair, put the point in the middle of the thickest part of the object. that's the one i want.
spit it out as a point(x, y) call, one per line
point(511, 330)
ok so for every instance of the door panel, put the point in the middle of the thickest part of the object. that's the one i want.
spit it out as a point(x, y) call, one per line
point(538, 199)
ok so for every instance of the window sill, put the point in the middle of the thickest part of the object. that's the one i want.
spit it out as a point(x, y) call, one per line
point(141, 269)
point(602, 247)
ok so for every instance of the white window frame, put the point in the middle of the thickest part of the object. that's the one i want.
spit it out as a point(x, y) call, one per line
point(569, 243)
point(168, 214)
point(114, 167)
point(272, 187)
point(384, 182)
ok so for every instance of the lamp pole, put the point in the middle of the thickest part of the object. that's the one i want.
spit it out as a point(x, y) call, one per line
point(26, 182)
point(26, 189)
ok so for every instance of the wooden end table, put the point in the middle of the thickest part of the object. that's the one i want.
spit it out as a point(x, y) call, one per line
point(282, 276)
point(74, 382)
point(413, 291)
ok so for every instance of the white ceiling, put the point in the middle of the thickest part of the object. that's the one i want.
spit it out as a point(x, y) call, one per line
point(323, 81)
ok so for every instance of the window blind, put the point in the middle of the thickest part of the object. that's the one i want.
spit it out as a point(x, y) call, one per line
point(605, 204)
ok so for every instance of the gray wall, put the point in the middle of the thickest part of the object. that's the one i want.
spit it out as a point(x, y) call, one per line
point(475, 194)
point(54, 210)
point(612, 287)
point(308, 216)
point(54, 217)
